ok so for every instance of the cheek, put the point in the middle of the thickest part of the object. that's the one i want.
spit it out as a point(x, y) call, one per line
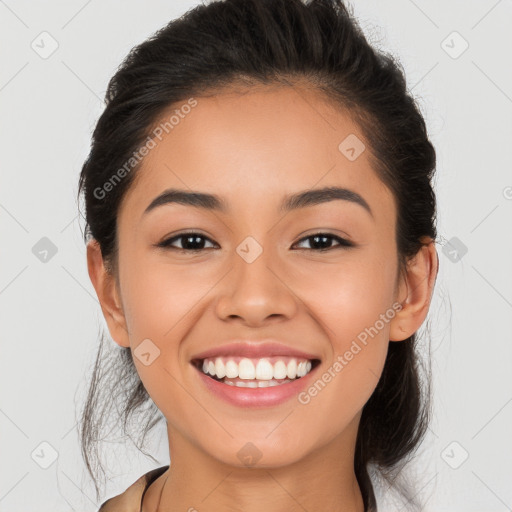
point(162, 303)
point(158, 297)
point(349, 296)
point(353, 305)
point(354, 310)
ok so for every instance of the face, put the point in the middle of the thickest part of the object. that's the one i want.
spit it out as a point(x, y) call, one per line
point(255, 272)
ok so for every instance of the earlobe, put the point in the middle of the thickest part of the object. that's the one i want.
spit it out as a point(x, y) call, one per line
point(104, 283)
point(418, 283)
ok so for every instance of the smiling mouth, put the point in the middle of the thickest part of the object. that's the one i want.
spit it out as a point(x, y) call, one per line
point(255, 373)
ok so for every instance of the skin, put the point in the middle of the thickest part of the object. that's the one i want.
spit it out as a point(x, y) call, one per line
point(252, 149)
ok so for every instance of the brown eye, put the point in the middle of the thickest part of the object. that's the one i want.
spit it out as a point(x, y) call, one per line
point(322, 241)
point(195, 242)
point(192, 242)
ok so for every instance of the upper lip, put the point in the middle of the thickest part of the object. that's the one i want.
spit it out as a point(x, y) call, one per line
point(254, 349)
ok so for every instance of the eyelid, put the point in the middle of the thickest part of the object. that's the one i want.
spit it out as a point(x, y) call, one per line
point(165, 243)
point(342, 242)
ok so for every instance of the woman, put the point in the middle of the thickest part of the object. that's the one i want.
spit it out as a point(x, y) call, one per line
point(262, 243)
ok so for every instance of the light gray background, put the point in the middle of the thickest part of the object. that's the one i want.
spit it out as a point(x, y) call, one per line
point(49, 311)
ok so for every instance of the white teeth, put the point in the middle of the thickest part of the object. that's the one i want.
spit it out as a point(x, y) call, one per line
point(280, 371)
point(231, 370)
point(301, 369)
point(246, 369)
point(220, 371)
point(292, 369)
point(264, 370)
point(254, 384)
point(261, 371)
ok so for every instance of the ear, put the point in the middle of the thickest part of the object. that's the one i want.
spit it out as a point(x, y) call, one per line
point(415, 292)
point(104, 283)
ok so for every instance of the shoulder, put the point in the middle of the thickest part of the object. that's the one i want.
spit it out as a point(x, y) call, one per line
point(130, 500)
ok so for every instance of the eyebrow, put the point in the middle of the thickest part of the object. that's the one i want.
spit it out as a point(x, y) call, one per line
point(291, 202)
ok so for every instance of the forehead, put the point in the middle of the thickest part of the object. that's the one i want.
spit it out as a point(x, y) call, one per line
point(255, 145)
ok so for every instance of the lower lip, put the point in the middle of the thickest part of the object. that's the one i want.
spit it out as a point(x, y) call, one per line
point(256, 397)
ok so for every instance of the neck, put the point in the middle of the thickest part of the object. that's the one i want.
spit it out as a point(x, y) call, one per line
point(324, 480)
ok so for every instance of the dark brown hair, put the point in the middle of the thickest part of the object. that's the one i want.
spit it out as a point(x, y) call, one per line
point(265, 42)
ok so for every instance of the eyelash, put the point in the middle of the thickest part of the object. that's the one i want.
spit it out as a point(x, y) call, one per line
point(166, 244)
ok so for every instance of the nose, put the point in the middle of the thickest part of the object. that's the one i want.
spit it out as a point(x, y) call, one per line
point(256, 291)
